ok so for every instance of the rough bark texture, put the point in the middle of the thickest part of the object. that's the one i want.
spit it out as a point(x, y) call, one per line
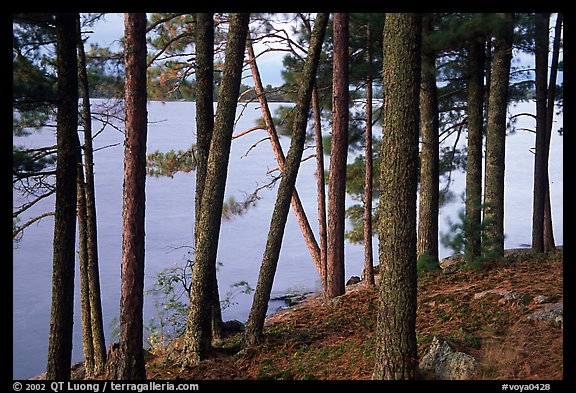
point(368, 270)
point(204, 128)
point(476, 61)
point(198, 327)
point(255, 323)
point(427, 244)
point(93, 271)
point(86, 317)
point(541, 24)
point(131, 365)
point(338, 156)
point(493, 237)
point(61, 316)
point(321, 187)
point(396, 352)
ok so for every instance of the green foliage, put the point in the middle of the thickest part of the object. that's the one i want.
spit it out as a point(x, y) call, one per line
point(459, 234)
point(426, 263)
point(169, 163)
point(170, 295)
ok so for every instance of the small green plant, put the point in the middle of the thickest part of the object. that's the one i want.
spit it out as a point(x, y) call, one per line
point(170, 293)
point(463, 231)
point(426, 263)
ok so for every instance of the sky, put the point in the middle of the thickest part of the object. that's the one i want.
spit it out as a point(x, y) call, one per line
point(108, 31)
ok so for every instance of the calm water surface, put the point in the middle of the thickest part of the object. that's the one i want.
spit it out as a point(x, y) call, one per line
point(170, 219)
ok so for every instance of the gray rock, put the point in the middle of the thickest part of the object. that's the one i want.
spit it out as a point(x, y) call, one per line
point(451, 264)
point(446, 363)
point(553, 313)
point(353, 280)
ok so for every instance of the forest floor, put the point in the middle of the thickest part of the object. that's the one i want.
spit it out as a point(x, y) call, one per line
point(482, 313)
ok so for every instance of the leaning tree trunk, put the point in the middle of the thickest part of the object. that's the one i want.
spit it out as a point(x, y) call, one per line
point(338, 156)
point(493, 237)
point(255, 323)
point(131, 365)
point(198, 326)
point(396, 351)
point(297, 207)
point(62, 309)
point(321, 188)
point(96, 321)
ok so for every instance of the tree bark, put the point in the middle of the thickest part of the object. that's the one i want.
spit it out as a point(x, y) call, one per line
point(368, 270)
point(427, 243)
point(131, 364)
point(204, 130)
point(549, 243)
point(475, 64)
point(255, 324)
point(87, 341)
point(541, 25)
point(338, 157)
point(198, 327)
point(396, 351)
point(321, 187)
point(62, 311)
point(297, 207)
point(493, 237)
point(93, 271)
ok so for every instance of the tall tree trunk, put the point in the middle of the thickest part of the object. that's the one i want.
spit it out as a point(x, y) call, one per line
point(396, 351)
point(198, 326)
point(93, 271)
point(493, 237)
point(62, 309)
point(368, 270)
point(549, 243)
point(204, 130)
point(338, 157)
point(87, 341)
point(475, 64)
point(541, 25)
point(131, 364)
point(255, 323)
point(321, 187)
point(279, 155)
point(427, 243)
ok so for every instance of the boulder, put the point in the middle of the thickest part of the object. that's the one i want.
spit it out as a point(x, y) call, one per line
point(353, 280)
point(446, 363)
point(553, 313)
point(451, 264)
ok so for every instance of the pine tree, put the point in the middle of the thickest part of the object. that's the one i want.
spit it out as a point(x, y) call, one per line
point(131, 365)
point(427, 245)
point(198, 326)
point(61, 316)
point(338, 157)
point(86, 186)
point(396, 352)
point(493, 236)
point(475, 111)
point(255, 323)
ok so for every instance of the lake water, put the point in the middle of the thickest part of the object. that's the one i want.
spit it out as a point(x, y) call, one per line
point(170, 219)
